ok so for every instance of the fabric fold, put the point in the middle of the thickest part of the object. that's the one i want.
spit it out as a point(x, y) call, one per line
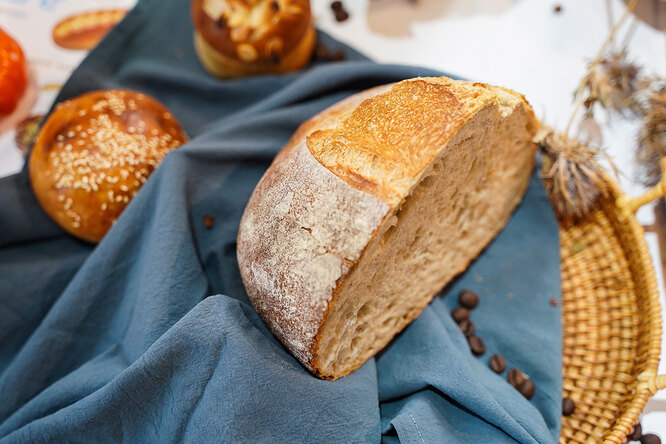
point(149, 336)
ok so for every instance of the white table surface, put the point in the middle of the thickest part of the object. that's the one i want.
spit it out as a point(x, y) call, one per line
point(520, 44)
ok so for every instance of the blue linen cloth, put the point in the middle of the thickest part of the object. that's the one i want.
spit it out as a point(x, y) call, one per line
point(150, 337)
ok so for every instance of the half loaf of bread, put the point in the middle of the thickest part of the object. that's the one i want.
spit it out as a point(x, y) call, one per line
point(373, 206)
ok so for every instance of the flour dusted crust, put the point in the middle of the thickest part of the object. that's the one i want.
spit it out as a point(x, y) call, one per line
point(295, 244)
point(327, 204)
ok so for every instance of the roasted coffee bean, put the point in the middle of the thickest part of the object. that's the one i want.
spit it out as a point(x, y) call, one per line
point(477, 345)
point(459, 314)
point(321, 52)
point(515, 377)
point(527, 388)
point(497, 363)
point(568, 407)
point(341, 15)
point(650, 438)
point(337, 56)
point(209, 221)
point(468, 299)
point(558, 9)
point(336, 5)
point(467, 327)
point(636, 434)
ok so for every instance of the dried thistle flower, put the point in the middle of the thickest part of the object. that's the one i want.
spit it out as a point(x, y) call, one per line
point(572, 175)
point(652, 137)
point(613, 83)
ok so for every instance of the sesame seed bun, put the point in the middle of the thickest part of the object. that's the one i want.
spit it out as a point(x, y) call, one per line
point(94, 152)
point(238, 37)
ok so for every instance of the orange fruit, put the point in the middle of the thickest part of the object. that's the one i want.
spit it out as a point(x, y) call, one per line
point(13, 75)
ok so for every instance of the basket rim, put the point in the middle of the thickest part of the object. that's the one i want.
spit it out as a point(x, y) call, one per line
point(650, 316)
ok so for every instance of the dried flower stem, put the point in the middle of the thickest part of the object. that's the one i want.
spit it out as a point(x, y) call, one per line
point(579, 100)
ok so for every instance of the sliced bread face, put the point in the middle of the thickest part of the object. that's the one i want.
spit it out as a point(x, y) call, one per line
point(373, 206)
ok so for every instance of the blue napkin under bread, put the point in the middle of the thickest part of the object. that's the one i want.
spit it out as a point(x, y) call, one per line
point(150, 337)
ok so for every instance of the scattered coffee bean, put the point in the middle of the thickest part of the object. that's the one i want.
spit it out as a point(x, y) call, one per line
point(558, 9)
point(568, 407)
point(337, 56)
point(553, 302)
point(208, 221)
point(477, 345)
point(468, 299)
point(467, 327)
point(322, 53)
point(527, 388)
point(650, 438)
point(497, 363)
point(636, 433)
point(341, 15)
point(460, 313)
point(515, 377)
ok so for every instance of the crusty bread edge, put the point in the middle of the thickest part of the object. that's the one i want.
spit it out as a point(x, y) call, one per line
point(328, 119)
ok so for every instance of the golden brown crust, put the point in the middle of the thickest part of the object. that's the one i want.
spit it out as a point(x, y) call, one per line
point(423, 114)
point(330, 117)
point(85, 30)
point(262, 32)
point(94, 152)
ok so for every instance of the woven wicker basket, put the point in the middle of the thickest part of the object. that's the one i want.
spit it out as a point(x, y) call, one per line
point(611, 320)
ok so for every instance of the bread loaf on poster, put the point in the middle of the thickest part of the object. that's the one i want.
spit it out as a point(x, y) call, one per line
point(86, 29)
point(373, 206)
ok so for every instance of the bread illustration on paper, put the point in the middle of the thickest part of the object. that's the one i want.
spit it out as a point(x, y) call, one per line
point(86, 29)
point(94, 152)
point(373, 206)
point(236, 38)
